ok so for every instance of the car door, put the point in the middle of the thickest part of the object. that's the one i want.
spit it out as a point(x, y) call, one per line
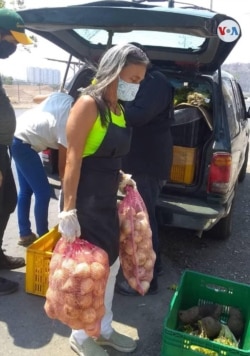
point(236, 122)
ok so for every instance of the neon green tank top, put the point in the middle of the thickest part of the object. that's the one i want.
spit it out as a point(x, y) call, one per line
point(98, 132)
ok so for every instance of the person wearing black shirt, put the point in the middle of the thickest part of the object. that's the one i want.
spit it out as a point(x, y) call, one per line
point(11, 33)
point(150, 157)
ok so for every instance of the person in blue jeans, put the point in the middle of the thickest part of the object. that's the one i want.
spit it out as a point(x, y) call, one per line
point(37, 129)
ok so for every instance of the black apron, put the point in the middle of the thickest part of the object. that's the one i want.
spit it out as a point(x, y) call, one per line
point(97, 191)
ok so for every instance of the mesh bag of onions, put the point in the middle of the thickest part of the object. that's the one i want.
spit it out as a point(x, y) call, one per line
point(136, 250)
point(77, 281)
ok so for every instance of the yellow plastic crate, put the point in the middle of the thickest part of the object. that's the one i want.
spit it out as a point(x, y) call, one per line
point(183, 166)
point(38, 256)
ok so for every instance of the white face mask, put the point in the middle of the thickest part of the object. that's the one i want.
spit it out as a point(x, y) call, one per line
point(127, 91)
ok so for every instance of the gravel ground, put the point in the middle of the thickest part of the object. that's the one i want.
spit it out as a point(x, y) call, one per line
point(227, 259)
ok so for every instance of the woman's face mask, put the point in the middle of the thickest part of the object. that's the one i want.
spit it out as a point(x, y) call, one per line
point(127, 91)
point(6, 49)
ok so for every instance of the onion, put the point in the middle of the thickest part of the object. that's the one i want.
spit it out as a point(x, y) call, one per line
point(88, 316)
point(127, 263)
point(51, 294)
point(82, 270)
point(149, 275)
point(70, 286)
point(99, 288)
point(141, 215)
point(100, 312)
point(149, 264)
point(85, 301)
point(70, 299)
point(137, 237)
point(129, 247)
point(93, 330)
point(57, 279)
point(126, 227)
point(141, 272)
point(132, 282)
point(97, 302)
point(144, 224)
point(86, 286)
point(145, 286)
point(141, 257)
point(50, 309)
point(137, 225)
point(55, 262)
point(98, 271)
point(145, 244)
point(122, 237)
point(71, 312)
point(148, 233)
point(100, 256)
point(68, 265)
point(76, 324)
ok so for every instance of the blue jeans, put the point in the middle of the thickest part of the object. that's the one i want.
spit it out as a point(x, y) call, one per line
point(32, 179)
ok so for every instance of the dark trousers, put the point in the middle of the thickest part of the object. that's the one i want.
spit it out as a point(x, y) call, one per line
point(149, 188)
point(8, 193)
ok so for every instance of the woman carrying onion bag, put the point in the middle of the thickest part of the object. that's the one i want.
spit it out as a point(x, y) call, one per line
point(97, 139)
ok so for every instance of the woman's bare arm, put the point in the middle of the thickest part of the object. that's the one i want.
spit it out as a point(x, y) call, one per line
point(81, 120)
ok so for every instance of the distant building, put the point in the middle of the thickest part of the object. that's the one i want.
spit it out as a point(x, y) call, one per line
point(37, 75)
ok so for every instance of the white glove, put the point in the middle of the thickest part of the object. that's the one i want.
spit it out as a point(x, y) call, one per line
point(69, 226)
point(125, 179)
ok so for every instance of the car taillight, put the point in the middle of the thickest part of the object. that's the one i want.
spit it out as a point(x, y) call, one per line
point(46, 155)
point(219, 173)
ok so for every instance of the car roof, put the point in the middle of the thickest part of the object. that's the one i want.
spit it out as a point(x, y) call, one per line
point(178, 38)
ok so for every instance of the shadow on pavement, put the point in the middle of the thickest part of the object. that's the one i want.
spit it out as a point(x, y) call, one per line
point(25, 318)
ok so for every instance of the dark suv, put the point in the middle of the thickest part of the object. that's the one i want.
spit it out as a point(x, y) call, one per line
point(189, 45)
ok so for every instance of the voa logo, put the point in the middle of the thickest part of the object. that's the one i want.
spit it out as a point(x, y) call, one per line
point(228, 31)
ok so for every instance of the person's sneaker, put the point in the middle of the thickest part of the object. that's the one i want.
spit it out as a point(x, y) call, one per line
point(27, 240)
point(8, 262)
point(125, 289)
point(7, 286)
point(118, 342)
point(88, 348)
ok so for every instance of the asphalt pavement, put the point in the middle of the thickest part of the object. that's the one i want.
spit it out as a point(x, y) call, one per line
point(26, 330)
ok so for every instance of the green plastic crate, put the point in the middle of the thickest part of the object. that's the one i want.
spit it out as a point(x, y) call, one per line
point(195, 289)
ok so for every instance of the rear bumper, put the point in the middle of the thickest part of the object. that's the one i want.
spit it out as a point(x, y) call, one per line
point(192, 214)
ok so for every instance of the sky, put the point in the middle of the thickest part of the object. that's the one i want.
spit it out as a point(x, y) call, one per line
point(15, 65)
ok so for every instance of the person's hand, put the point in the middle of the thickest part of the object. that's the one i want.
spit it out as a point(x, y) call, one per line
point(1, 179)
point(125, 180)
point(69, 226)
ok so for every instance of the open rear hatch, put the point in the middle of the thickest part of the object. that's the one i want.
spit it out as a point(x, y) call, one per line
point(179, 38)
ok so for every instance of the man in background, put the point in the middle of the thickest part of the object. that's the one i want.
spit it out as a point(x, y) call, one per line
point(150, 157)
point(11, 33)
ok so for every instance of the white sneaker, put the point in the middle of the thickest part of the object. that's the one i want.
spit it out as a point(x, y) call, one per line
point(88, 348)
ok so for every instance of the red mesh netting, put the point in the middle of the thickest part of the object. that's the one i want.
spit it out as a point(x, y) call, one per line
point(77, 282)
point(136, 251)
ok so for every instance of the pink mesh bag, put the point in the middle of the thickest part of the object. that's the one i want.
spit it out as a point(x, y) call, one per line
point(136, 251)
point(77, 282)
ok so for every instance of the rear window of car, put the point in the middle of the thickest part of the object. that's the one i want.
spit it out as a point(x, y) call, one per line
point(150, 38)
